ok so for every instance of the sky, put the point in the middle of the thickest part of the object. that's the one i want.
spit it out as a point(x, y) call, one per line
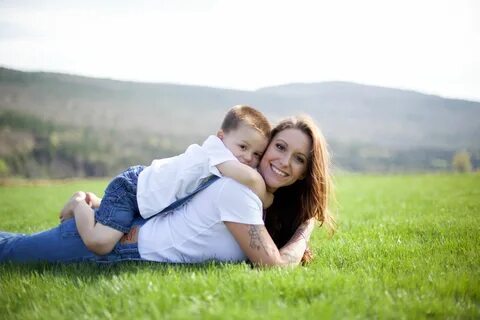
point(431, 46)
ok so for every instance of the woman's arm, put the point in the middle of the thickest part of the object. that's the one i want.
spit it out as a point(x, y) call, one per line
point(248, 177)
point(259, 247)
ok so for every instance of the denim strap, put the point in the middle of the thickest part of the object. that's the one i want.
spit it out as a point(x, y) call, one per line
point(183, 200)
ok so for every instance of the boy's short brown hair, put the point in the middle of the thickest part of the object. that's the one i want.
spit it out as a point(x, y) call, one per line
point(248, 115)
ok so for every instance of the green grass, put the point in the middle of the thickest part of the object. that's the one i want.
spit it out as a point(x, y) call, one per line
point(407, 247)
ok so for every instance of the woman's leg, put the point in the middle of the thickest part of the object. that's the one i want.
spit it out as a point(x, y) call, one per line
point(60, 244)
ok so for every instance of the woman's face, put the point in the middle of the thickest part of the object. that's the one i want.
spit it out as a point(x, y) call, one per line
point(286, 159)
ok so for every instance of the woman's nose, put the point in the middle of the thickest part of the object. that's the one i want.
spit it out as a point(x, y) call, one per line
point(284, 161)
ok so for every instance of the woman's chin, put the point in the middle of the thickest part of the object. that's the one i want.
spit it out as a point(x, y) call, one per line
point(274, 184)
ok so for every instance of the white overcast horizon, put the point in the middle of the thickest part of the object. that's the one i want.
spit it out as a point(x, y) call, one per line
point(430, 46)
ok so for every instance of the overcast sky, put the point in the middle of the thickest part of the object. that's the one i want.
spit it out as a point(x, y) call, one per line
point(432, 46)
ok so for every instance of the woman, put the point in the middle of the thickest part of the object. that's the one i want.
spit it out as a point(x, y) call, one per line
point(307, 198)
point(224, 222)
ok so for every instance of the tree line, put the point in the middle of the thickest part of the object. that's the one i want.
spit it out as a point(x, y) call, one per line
point(34, 148)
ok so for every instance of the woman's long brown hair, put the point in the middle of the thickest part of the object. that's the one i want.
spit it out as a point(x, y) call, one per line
point(306, 198)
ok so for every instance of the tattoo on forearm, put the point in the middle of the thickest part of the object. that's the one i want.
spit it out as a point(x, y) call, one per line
point(256, 241)
point(299, 235)
point(293, 251)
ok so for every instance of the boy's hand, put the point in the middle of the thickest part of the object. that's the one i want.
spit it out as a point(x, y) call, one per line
point(92, 200)
point(67, 211)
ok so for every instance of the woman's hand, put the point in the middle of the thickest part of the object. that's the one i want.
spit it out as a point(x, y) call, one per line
point(297, 247)
point(307, 256)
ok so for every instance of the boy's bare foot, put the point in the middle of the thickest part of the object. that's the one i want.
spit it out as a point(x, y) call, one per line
point(92, 200)
point(67, 211)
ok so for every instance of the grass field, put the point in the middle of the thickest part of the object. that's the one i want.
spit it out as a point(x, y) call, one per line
point(407, 247)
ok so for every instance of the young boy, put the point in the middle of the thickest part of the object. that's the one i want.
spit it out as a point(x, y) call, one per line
point(233, 152)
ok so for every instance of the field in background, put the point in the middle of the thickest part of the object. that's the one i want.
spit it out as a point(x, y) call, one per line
point(406, 247)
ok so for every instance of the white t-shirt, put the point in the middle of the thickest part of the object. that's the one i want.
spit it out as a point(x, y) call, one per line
point(196, 232)
point(167, 180)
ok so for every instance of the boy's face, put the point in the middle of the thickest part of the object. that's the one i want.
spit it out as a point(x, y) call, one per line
point(246, 144)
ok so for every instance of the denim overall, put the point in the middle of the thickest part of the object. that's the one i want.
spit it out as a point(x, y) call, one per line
point(63, 243)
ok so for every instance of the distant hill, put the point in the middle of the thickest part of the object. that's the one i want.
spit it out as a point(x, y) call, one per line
point(358, 120)
point(388, 117)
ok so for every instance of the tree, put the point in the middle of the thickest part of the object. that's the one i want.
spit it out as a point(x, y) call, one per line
point(462, 162)
point(4, 170)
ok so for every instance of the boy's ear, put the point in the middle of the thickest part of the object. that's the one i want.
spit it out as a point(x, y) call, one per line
point(220, 134)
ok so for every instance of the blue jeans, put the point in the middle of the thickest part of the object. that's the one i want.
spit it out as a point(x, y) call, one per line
point(60, 244)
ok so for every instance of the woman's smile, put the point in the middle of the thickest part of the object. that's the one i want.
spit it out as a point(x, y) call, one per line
point(278, 171)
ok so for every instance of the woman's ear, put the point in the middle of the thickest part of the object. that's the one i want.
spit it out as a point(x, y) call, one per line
point(220, 134)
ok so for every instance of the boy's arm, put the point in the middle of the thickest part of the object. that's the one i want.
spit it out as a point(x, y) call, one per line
point(247, 176)
point(97, 237)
